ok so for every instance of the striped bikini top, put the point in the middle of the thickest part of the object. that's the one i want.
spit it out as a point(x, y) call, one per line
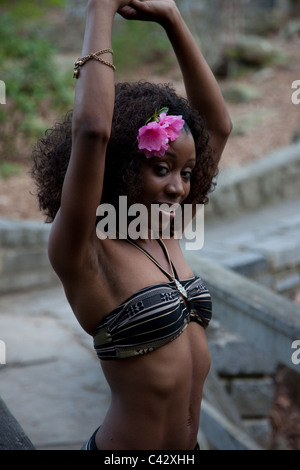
point(153, 316)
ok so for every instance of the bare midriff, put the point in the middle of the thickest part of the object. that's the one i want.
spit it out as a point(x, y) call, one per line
point(156, 397)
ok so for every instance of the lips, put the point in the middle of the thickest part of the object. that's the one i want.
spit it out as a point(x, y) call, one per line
point(168, 207)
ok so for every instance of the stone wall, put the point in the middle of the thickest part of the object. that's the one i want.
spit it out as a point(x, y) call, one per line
point(264, 325)
point(269, 180)
point(268, 253)
point(24, 262)
point(247, 375)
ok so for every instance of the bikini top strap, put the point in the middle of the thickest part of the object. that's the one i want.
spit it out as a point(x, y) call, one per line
point(153, 259)
point(166, 255)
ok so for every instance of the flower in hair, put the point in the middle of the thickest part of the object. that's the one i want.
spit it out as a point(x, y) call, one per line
point(159, 130)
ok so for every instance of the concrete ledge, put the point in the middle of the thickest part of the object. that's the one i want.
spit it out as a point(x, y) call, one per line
point(12, 436)
point(23, 233)
point(31, 279)
point(232, 356)
point(266, 181)
point(24, 263)
point(222, 433)
point(266, 320)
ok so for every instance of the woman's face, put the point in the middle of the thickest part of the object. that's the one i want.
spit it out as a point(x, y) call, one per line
point(166, 180)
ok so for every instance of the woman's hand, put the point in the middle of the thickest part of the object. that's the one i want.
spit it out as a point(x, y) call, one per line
point(115, 5)
point(158, 11)
point(122, 3)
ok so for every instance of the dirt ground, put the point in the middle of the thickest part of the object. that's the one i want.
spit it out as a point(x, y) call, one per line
point(269, 122)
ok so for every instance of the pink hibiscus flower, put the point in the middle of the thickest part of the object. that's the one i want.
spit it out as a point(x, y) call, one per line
point(172, 124)
point(153, 140)
point(154, 137)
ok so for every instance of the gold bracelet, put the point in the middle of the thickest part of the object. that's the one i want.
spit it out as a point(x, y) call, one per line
point(82, 60)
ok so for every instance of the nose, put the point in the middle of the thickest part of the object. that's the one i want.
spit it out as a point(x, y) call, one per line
point(175, 186)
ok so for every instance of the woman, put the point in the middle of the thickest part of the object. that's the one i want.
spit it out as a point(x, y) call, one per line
point(138, 298)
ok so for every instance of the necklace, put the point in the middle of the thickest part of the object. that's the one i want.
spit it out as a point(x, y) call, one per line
point(178, 285)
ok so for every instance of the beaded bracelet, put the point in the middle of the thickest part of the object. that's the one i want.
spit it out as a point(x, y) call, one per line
point(82, 60)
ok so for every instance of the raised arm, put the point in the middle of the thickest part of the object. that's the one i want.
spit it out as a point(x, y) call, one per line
point(74, 224)
point(201, 86)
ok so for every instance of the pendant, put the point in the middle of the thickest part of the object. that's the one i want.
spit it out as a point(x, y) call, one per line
point(180, 288)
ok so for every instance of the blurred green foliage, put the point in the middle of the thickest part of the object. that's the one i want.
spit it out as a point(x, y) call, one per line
point(138, 43)
point(26, 11)
point(34, 82)
point(8, 169)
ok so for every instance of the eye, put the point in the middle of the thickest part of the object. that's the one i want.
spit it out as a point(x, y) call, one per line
point(161, 170)
point(186, 174)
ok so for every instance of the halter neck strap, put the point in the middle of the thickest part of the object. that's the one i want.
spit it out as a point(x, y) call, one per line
point(154, 260)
